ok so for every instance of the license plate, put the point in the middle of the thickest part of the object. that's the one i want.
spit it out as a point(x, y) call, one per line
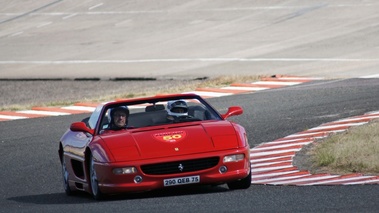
point(181, 180)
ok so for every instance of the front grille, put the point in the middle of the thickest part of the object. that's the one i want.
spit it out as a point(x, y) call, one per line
point(180, 166)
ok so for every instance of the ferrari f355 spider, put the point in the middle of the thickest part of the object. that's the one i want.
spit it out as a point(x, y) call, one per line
point(149, 143)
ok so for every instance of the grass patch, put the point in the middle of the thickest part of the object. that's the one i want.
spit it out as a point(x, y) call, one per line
point(354, 151)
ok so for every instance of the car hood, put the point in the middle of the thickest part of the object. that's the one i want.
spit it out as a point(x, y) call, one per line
point(176, 140)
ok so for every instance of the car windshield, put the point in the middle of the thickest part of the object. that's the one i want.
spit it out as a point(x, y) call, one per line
point(157, 112)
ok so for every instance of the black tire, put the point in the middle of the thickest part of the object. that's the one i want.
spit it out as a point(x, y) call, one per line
point(96, 193)
point(65, 176)
point(241, 184)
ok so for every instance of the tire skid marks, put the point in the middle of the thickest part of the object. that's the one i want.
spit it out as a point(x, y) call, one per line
point(272, 162)
point(275, 81)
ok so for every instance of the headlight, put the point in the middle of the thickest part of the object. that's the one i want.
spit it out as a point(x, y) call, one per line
point(233, 158)
point(125, 170)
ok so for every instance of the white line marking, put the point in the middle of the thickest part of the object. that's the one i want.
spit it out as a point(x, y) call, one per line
point(82, 108)
point(212, 94)
point(372, 113)
point(281, 178)
point(270, 168)
point(299, 78)
point(245, 88)
point(349, 120)
point(10, 117)
point(272, 174)
point(95, 6)
point(276, 83)
point(257, 160)
point(258, 154)
point(370, 76)
point(287, 141)
point(304, 180)
point(362, 182)
point(255, 165)
point(37, 112)
point(305, 135)
point(69, 16)
point(188, 60)
point(280, 146)
point(336, 126)
point(340, 180)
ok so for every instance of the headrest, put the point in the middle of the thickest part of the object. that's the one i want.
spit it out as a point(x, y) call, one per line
point(155, 107)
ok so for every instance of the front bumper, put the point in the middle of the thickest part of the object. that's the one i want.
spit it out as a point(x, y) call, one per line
point(112, 183)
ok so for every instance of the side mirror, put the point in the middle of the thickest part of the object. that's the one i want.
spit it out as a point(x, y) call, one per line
point(81, 127)
point(233, 110)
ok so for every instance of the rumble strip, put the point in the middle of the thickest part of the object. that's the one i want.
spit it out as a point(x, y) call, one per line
point(272, 162)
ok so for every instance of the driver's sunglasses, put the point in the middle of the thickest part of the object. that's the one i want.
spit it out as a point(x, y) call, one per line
point(120, 115)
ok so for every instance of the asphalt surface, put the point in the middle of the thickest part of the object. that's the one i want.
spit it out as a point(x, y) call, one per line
point(183, 39)
point(32, 181)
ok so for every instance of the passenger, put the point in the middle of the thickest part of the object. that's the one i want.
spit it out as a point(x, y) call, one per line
point(177, 109)
point(119, 118)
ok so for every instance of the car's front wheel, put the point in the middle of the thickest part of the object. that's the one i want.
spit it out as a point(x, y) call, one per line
point(96, 193)
point(65, 176)
point(241, 184)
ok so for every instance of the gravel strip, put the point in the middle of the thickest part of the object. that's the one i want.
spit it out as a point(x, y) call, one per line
point(26, 93)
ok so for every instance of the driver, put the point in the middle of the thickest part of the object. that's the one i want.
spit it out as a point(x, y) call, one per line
point(119, 118)
point(177, 109)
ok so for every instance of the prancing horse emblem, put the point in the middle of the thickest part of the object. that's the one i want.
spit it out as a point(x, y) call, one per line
point(181, 167)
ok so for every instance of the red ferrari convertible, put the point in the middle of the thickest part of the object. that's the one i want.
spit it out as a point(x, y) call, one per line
point(143, 144)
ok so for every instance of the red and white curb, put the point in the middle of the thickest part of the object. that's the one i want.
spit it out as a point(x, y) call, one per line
point(264, 84)
point(272, 162)
point(236, 88)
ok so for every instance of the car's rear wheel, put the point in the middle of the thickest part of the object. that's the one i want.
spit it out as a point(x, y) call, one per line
point(241, 184)
point(96, 193)
point(65, 176)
